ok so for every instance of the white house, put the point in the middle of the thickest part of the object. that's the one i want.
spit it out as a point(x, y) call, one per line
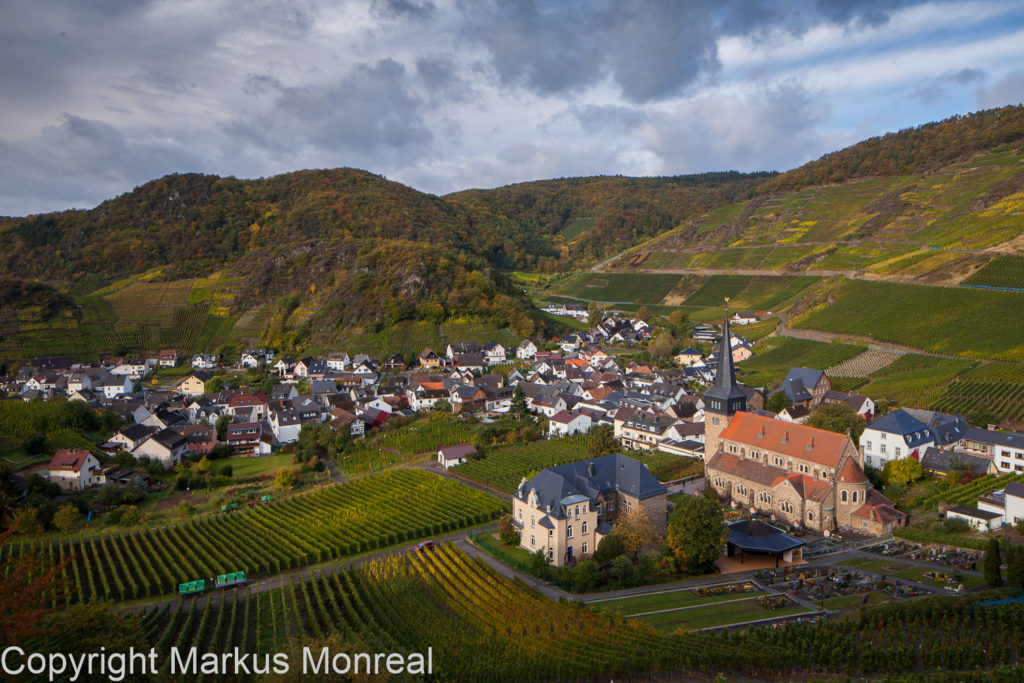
point(116, 385)
point(337, 361)
point(569, 422)
point(167, 446)
point(1014, 502)
point(205, 361)
point(909, 431)
point(979, 520)
point(1005, 449)
point(450, 456)
point(75, 469)
point(286, 425)
point(526, 350)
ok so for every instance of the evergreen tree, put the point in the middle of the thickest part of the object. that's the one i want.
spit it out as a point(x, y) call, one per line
point(519, 408)
point(1015, 566)
point(993, 574)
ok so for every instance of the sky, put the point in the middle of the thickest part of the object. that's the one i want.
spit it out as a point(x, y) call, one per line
point(100, 96)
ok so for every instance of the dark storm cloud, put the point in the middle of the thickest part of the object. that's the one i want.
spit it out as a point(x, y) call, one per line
point(933, 89)
point(394, 9)
point(1007, 90)
point(370, 110)
point(79, 161)
point(651, 49)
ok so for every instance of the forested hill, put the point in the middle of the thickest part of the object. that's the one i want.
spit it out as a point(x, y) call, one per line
point(914, 150)
point(595, 217)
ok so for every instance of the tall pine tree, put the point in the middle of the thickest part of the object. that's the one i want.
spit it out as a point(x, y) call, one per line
point(993, 561)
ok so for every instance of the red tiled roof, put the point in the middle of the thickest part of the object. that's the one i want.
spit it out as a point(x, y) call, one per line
point(759, 473)
point(68, 460)
point(851, 473)
point(797, 441)
point(807, 487)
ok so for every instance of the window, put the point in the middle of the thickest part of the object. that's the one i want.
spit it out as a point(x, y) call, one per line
point(551, 532)
point(583, 528)
point(854, 496)
point(551, 553)
point(882, 437)
point(533, 541)
point(810, 516)
point(786, 507)
point(882, 448)
point(520, 514)
point(867, 445)
point(583, 549)
point(897, 452)
point(844, 496)
point(533, 521)
point(568, 531)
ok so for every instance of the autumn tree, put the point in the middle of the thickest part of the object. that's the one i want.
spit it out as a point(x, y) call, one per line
point(636, 531)
point(65, 517)
point(284, 478)
point(902, 471)
point(696, 534)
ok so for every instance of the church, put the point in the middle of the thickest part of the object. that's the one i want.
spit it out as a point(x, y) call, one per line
point(806, 477)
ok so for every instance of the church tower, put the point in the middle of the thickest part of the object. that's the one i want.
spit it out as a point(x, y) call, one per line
point(725, 398)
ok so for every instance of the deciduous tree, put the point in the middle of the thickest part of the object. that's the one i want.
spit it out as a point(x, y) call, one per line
point(66, 516)
point(696, 533)
point(636, 531)
point(839, 418)
point(902, 471)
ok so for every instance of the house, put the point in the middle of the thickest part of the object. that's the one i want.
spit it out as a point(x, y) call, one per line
point(806, 386)
point(244, 437)
point(450, 456)
point(473, 362)
point(130, 438)
point(116, 385)
point(908, 432)
point(429, 360)
point(256, 401)
point(567, 422)
point(1014, 494)
point(199, 438)
point(205, 361)
point(688, 356)
point(797, 414)
point(942, 462)
point(286, 424)
point(467, 399)
point(644, 431)
point(337, 362)
point(161, 418)
point(395, 363)
point(167, 445)
point(167, 358)
point(1005, 449)
point(494, 353)
point(253, 358)
point(749, 317)
point(194, 384)
point(565, 511)
point(526, 350)
point(858, 403)
point(74, 469)
point(461, 348)
point(979, 520)
point(284, 366)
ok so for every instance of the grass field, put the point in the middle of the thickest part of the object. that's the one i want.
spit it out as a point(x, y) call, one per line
point(252, 467)
point(946, 320)
point(576, 227)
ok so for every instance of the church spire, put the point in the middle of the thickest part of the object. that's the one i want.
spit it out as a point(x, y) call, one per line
point(725, 396)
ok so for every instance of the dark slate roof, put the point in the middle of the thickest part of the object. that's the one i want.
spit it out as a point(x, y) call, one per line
point(753, 536)
point(919, 426)
point(1015, 489)
point(938, 460)
point(1010, 439)
point(974, 512)
point(797, 382)
point(591, 478)
point(137, 431)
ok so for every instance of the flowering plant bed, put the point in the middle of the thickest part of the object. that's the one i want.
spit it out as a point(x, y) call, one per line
point(745, 587)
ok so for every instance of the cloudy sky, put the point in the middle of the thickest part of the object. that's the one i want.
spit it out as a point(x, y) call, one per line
point(99, 96)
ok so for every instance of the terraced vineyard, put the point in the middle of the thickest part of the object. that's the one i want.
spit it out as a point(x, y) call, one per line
point(915, 380)
point(505, 466)
point(327, 524)
point(479, 625)
point(967, 494)
point(946, 320)
point(997, 388)
point(770, 364)
point(640, 288)
point(869, 362)
point(1003, 271)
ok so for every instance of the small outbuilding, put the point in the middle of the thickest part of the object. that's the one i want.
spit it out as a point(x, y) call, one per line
point(753, 536)
point(450, 456)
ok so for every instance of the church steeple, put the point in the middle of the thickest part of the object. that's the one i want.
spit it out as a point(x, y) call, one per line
point(725, 396)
